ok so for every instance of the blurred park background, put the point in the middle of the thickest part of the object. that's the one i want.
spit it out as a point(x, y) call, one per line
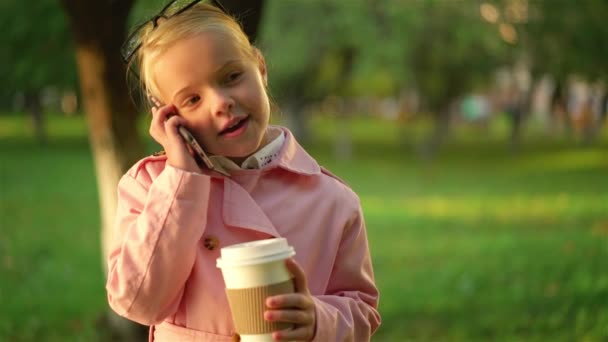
point(474, 132)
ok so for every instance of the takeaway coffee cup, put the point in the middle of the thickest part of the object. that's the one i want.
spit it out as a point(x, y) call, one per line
point(252, 272)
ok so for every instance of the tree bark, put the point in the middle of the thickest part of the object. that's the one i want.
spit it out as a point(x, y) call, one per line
point(248, 13)
point(441, 130)
point(33, 106)
point(99, 28)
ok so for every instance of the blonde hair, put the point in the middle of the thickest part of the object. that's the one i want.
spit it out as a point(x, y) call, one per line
point(200, 18)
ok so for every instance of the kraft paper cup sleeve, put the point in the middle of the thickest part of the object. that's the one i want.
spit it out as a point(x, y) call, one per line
point(248, 306)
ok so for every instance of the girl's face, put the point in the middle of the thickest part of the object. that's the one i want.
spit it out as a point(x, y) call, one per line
point(219, 91)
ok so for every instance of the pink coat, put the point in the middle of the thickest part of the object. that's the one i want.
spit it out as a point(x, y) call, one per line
point(171, 224)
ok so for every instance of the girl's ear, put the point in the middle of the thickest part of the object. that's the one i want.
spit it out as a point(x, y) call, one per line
point(261, 65)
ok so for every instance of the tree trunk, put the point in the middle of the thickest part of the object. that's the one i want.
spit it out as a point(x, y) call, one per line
point(99, 27)
point(296, 120)
point(441, 130)
point(249, 13)
point(34, 108)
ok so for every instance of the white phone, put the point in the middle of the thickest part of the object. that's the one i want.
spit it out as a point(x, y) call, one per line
point(189, 139)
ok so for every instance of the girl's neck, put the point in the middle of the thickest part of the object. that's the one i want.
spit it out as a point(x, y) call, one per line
point(269, 136)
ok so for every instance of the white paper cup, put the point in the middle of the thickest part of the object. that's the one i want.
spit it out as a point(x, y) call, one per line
point(252, 272)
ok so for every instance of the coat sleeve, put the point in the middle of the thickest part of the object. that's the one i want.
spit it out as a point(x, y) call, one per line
point(349, 309)
point(156, 232)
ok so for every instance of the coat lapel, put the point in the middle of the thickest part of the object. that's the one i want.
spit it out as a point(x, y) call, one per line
point(240, 210)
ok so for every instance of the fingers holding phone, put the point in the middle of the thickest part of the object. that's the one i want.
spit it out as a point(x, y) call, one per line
point(164, 129)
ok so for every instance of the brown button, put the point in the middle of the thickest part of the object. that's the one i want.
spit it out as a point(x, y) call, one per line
point(211, 242)
point(236, 337)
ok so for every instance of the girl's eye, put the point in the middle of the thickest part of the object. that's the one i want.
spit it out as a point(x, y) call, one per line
point(193, 100)
point(233, 77)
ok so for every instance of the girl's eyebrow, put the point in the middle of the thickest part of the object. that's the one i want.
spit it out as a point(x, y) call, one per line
point(227, 65)
point(219, 70)
point(183, 90)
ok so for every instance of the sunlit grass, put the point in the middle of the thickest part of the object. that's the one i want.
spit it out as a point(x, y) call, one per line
point(478, 243)
point(504, 209)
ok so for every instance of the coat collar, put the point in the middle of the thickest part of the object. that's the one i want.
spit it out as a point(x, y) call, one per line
point(294, 158)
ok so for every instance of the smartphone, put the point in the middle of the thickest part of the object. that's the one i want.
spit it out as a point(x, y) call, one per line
point(189, 139)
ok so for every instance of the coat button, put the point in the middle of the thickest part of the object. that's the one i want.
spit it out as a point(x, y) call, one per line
point(211, 242)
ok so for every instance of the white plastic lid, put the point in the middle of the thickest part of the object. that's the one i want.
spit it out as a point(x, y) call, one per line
point(255, 252)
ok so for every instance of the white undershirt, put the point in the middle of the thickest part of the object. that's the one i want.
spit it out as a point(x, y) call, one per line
point(259, 159)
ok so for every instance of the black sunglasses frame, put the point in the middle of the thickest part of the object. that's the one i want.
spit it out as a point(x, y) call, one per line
point(133, 43)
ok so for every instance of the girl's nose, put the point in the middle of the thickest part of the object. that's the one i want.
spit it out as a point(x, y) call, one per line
point(221, 102)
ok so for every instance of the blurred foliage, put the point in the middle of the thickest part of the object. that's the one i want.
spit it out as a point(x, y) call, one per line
point(441, 48)
point(567, 37)
point(352, 48)
point(453, 51)
point(344, 48)
point(37, 48)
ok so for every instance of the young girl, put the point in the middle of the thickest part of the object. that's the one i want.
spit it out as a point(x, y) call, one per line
point(174, 215)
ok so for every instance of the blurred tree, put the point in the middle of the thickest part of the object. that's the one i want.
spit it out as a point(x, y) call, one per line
point(36, 55)
point(366, 48)
point(453, 51)
point(292, 56)
point(99, 28)
point(317, 49)
point(248, 13)
point(560, 38)
point(568, 37)
point(442, 49)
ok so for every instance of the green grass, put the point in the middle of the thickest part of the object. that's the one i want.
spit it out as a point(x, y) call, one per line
point(477, 244)
point(51, 284)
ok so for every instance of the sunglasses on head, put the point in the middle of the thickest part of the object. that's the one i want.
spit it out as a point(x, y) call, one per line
point(173, 8)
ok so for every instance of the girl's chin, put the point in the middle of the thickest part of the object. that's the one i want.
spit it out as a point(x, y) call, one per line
point(241, 155)
point(242, 152)
point(244, 149)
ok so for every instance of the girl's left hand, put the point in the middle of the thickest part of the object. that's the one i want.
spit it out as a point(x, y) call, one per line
point(297, 308)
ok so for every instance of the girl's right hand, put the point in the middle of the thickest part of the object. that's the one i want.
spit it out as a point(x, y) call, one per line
point(164, 129)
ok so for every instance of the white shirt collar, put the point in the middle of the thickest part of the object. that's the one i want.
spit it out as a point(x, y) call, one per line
point(259, 159)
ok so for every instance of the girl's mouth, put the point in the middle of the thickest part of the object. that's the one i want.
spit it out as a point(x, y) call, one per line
point(236, 128)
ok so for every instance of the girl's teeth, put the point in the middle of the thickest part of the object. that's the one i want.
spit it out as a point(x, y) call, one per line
point(233, 126)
